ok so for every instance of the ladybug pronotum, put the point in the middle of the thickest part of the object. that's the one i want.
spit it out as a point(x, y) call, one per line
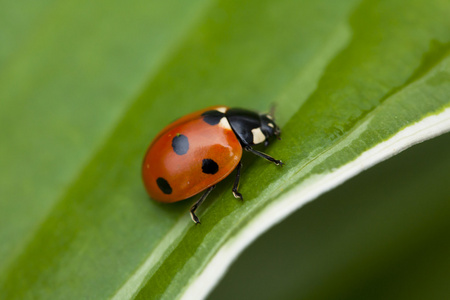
point(197, 151)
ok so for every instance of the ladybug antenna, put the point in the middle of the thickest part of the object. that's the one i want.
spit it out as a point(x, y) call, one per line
point(272, 111)
point(271, 114)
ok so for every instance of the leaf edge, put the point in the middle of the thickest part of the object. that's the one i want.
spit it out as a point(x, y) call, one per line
point(425, 129)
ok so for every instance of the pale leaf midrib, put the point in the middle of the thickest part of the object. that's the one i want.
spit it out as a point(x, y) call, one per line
point(290, 180)
point(238, 244)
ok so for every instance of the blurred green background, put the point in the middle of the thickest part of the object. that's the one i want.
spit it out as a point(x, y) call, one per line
point(382, 235)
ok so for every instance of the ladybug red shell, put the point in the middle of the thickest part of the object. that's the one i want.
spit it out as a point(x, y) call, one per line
point(197, 151)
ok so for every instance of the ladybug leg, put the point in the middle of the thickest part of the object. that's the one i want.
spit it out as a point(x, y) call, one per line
point(263, 155)
point(266, 142)
point(236, 194)
point(198, 203)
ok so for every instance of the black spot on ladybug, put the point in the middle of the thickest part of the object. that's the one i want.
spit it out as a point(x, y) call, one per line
point(212, 117)
point(209, 166)
point(164, 186)
point(180, 144)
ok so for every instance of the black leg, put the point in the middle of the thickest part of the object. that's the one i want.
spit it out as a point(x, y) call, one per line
point(236, 194)
point(198, 203)
point(263, 155)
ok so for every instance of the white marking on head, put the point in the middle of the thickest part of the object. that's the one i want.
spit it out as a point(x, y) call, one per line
point(270, 125)
point(269, 117)
point(224, 123)
point(222, 109)
point(258, 136)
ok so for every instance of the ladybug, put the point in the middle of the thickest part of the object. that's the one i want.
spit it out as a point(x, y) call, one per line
point(197, 151)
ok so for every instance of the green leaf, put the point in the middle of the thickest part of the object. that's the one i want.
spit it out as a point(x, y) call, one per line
point(84, 88)
point(381, 235)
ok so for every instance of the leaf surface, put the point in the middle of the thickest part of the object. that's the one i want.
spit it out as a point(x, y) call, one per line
point(96, 85)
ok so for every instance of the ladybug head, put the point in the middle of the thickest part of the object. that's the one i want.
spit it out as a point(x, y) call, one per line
point(269, 127)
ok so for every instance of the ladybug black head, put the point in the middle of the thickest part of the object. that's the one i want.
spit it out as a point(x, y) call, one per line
point(269, 127)
point(250, 127)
